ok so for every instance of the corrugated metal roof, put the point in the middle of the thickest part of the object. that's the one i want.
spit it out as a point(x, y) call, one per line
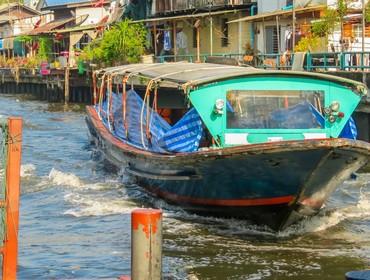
point(193, 74)
point(48, 27)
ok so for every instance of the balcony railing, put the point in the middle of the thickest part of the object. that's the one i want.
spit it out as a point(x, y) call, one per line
point(334, 61)
point(168, 6)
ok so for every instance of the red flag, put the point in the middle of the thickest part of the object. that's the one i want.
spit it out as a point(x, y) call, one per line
point(98, 3)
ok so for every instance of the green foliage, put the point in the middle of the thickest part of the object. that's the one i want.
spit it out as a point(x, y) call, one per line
point(342, 8)
point(123, 43)
point(330, 18)
point(45, 47)
point(367, 12)
point(25, 39)
point(326, 24)
point(308, 44)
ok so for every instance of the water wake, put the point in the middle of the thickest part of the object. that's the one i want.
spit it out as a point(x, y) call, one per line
point(331, 218)
point(27, 170)
point(88, 205)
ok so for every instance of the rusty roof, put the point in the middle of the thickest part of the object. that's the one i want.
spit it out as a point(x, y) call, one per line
point(50, 26)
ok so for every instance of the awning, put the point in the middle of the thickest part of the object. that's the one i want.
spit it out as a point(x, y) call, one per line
point(188, 16)
point(50, 26)
point(273, 15)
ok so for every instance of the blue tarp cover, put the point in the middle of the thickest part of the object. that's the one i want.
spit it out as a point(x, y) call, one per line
point(350, 130)
point(300, 116)
point(184, 136)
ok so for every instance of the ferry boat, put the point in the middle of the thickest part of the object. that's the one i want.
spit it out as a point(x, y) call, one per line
point(267, 146)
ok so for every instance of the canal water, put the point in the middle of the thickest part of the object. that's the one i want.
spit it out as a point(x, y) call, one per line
point(75, 217)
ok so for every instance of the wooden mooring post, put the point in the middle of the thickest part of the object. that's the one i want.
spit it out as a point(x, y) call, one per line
point(146, 244)
point(13, 166)
point(66, 84)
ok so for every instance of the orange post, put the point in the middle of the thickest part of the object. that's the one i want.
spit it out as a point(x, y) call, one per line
point(10, 250)
point(146, 244)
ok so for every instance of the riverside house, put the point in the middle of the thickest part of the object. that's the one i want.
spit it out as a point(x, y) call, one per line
point(189, 30)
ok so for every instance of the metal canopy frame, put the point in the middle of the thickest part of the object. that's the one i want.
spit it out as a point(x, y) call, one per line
point(187, 75)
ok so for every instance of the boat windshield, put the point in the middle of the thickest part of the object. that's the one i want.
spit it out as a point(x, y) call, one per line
point(275, 109)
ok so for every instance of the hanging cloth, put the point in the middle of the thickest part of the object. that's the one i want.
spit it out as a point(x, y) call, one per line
point(167, 41)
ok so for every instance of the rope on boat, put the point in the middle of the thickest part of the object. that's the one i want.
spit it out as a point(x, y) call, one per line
point(101, 94)
point(94, 86)
point(145, 100)
point(124, 100)
point(110, 103)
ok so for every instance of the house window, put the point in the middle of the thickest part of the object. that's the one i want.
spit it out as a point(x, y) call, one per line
point(357, 30)
point(225, 33)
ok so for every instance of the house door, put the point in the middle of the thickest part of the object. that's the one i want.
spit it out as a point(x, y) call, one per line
point(271, 39)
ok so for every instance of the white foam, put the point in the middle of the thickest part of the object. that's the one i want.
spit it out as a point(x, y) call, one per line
point(87, 205)
point(71, 180)
point(320, 223)
point(64, 179)
point(27, 170)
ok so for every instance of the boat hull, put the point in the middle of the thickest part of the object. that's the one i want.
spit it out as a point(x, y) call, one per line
point(273, 184)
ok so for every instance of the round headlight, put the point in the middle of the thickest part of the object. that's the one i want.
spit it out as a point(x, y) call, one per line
point(220, 104)
point(334, 106)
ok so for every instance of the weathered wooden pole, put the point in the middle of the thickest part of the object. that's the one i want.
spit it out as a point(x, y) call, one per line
point(211, 34)
point(10, 250)
point(66, 84)
point(155, 39)
point(174, 24)
point(198, 44)
point(278, 33)
point(293, 28)
point(146, 244)
point(363, 41)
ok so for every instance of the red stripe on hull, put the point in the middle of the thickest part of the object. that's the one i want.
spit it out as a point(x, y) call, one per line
point(178, 199)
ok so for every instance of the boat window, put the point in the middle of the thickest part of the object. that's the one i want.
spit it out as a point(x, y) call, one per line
point(275, 109)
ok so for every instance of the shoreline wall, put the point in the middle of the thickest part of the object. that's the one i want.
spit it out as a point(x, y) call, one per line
point(46, 87)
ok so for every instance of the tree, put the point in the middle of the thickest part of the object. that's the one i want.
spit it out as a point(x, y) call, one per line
point(367, 12)
point(309, 43)
point(331, 17)
point(124, 43)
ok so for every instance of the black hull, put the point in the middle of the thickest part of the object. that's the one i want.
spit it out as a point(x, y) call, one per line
point(274, 184)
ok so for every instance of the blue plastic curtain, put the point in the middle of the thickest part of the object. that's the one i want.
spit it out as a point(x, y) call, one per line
point(184, 136)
